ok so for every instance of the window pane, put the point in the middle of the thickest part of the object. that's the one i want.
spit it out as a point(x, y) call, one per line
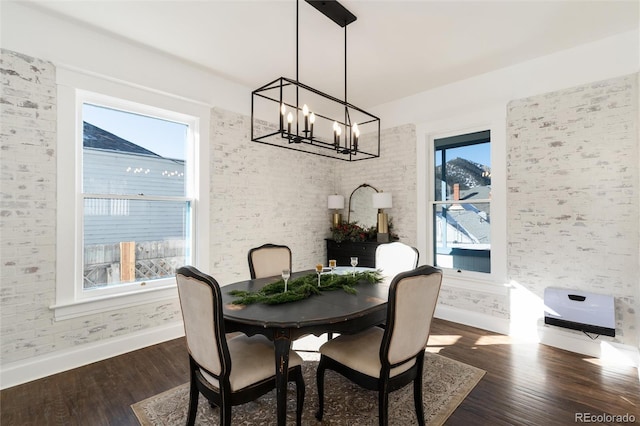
point(133, 240)
point(126, 153)
point(462, 236)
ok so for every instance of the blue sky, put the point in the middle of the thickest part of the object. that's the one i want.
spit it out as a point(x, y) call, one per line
point(480, 153)
point(165, 138)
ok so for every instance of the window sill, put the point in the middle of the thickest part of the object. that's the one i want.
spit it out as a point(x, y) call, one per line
point(78, 308)
point(473, 282)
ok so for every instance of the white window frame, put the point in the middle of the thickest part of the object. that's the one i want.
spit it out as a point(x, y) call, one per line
point(494, 121)
point(74, 89)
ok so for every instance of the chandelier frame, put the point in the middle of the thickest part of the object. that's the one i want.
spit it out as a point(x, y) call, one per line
point(344, 115)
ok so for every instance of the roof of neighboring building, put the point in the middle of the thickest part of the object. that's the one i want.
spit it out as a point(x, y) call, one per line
point(95, 137)
point(477, 192)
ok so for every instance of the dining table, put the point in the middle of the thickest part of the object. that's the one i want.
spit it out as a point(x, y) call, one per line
point(329, 312)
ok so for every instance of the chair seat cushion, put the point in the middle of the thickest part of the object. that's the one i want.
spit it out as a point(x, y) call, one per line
point(252, 360)
point(361, 352)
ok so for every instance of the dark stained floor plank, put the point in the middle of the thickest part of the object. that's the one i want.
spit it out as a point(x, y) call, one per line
point(525, 384)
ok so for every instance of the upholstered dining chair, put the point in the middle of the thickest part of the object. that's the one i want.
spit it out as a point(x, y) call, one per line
point(396, 257)
point(227, 372)
point(388, 359)
point(269, 260)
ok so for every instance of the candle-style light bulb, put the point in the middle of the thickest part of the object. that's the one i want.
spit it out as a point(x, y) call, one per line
point(335, 134)
point(283, 110)
point(289, 121)
point(305, 113)
point(338, 133)
point(356, 135)
point(312, 119)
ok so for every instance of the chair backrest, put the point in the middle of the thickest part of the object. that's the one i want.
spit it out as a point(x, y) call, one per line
point(413, 296)
point(269, 260)
point(201, 303)
point(396, 257)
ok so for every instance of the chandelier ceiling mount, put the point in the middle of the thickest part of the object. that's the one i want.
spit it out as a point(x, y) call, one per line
point(312, 121)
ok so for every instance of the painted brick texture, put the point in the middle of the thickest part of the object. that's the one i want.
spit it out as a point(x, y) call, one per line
point(28, 209)
point(261, 194)
point(572, 159)
point(395, 172)
point(258, 194)
point(572, 200)
point(28, 212)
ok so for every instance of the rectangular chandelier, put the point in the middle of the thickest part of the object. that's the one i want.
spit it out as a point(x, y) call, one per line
point(289, 114)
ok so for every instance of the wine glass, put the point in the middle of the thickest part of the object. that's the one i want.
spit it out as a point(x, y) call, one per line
point(354, 263)
point(332, 265)
point(286, 273)
point(319, 271)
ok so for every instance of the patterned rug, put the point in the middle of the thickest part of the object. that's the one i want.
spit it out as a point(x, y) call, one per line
point(446, 384)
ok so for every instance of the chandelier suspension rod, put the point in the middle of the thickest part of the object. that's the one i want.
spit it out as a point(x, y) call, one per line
point(297, 71)
point(346, 110)
point(297, 43)
point(345, 66)
point(295, 138)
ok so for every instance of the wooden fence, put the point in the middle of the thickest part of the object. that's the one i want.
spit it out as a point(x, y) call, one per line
point(130, 261)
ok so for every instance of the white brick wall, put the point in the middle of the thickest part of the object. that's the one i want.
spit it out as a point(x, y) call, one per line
point(258, 194)
point(572, 160)
point(573, 189)
point(263, 194)
point(28, 210)
point(394, 171)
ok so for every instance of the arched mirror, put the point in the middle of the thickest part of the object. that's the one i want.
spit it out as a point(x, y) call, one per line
point(361, 208)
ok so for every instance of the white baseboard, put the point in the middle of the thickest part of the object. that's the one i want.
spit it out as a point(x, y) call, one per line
point(472, 319)
point(19, 372)
point(603, 348)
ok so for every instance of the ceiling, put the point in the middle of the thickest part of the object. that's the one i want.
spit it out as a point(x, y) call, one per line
point(395, 48)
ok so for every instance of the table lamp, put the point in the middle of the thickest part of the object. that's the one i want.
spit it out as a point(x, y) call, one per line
point(335, 203)
point(382, 200)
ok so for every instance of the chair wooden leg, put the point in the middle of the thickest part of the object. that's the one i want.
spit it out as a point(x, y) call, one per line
point(225, 414)
point(193, 402)
point(300, 396)
point(383, 403)
point(417, 390)
point(320, 384)
point(417, 398)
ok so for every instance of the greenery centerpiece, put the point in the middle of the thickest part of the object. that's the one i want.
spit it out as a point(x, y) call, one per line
point(304, 287)
point(351, 231)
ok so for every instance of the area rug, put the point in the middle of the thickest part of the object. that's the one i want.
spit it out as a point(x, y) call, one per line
point(446, 384)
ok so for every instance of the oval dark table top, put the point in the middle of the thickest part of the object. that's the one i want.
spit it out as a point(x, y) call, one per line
point(329, 311)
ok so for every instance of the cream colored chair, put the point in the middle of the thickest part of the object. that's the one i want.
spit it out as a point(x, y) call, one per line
point(396, 257)
point(269, 260)
point(227, 372)
point(388, 359)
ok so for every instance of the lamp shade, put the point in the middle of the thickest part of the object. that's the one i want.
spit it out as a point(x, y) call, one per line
point(335, 202)
point(382, 200)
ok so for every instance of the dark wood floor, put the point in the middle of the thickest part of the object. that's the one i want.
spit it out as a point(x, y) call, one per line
point(525, 384)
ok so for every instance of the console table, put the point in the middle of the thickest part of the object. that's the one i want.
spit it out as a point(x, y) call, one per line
point(342, 252)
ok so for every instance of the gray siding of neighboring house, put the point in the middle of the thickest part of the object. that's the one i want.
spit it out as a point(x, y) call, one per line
point(112, 221)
